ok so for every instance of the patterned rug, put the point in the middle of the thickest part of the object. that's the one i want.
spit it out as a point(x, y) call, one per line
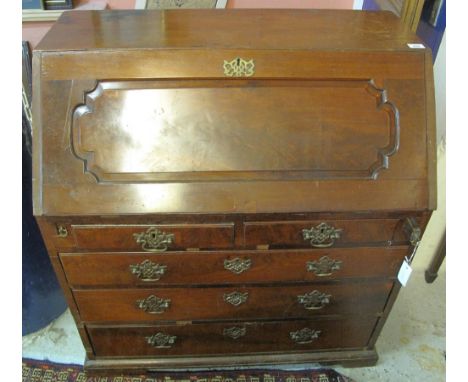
point(40, 371)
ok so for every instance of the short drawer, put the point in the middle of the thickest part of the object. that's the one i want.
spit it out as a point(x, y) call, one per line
point(230, 338)
point(167, 304)
point(322, 233)
point(149, 238)
point(230, 267)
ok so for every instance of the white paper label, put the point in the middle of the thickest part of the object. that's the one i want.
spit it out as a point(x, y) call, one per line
point(416, 46)
point(405, 272)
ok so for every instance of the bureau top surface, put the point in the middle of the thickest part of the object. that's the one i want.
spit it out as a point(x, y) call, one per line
point(227, 29)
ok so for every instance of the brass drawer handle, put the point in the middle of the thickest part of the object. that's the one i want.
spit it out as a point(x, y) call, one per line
point(304, 336)
point(237, 265)
point(161, 340)
point(314, 300)
point(153, 304)
point(322, 236)
point(235, 332)
point(236, 298)
point(324, 266)
point(148, 271)
point(154, 240)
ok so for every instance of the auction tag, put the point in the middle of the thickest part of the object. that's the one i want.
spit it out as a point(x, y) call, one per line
point(416, 46)
point(405, 272)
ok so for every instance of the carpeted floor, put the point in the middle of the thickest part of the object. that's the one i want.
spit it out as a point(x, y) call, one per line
point(40, 371)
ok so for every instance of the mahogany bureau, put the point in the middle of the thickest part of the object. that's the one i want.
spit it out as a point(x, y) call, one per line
point(236, 187)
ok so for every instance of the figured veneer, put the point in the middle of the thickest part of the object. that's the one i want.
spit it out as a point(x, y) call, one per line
point(211, 339)
point(290, 234)
point(88, 270)
point(311, 153)
point(221, 303)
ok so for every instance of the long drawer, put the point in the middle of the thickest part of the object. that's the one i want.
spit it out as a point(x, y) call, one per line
point(230, 338)
point(323, 233)
point(144, 237)
point(168, 304)
point(135, 269)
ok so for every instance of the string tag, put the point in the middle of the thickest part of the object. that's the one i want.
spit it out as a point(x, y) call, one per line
point(416, 46)
point(405, 272)
point(405, 269)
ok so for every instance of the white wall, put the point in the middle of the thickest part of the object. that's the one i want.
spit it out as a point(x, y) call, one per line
point(436, 226)
point(358, 4)
point(439, 84)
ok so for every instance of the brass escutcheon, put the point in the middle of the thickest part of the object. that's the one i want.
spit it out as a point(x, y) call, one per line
point(314, 300)
point(235, 332)
point(304, 336)
point(154, 240)
point(413, 231)
point(148, 271)
point(323, 266)
point(237, 265)
point(236, 298)
point(161, 340)
point(153, 304)
point(321, 236)
point(62, 231)
point(239, 67)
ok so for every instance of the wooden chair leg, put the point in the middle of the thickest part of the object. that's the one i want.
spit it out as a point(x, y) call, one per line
point(431, 272)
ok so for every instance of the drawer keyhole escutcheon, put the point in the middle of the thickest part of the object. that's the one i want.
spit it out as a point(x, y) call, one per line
point(413, 231)
point(161, 340)
point(237, 265)
point(324, 266)
point(154, 240)
point(148, 271)
point(153, 304)
point(62, 231)
point(305, 335)
point(235, 332)
point(239, 67)
point(236, 298)
point(322, 235)
point(314, 300)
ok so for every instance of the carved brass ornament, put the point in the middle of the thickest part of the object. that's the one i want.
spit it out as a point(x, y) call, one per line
point(237, 265)
point(305, 335)
point(235, 332)
point(62, 231)
point(161, 340)
point(314, 300)
point(321, 236)
point(148, 271)
point(236, 298)
point(324, 266)
point(153, 304)
point(239, 67)
point(154, 240)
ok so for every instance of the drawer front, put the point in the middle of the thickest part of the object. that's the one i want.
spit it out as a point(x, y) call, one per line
point(151, 238)
point(321, 233)
point(177, 268)
point(230, 338)
point(168, 304)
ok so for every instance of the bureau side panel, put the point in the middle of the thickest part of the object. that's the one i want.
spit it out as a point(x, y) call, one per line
point(56, 264)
